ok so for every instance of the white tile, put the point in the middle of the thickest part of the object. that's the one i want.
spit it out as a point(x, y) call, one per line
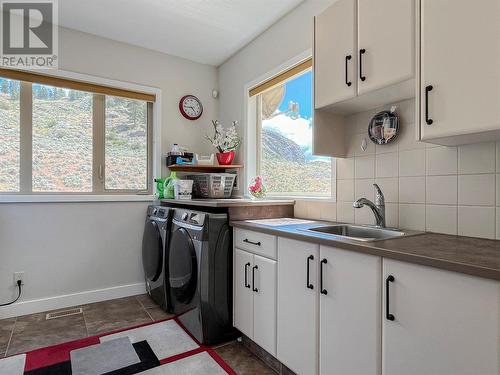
point(412, 189)
point(476, 190)
point(166, 339)
point(441, 219)
point(314, 209)
point(345, 168)
point(300, 209)
point(412, 216)
point(498, 222)
point(345, 190)
point(363, 188)
point(390, 188)
point(389, 147)
point(13, 365)
point(329, 211)
point(407, 139)
point(392, 215)
point(354, 143)
point(497, 189)
point(386, 165)
point(364, 216)
point(412, 163)
point(345, 212)
point(498, 157)
point(442, 161)
point(365, 167)
point(441, 190)
point(476, 158)
point(476, 221)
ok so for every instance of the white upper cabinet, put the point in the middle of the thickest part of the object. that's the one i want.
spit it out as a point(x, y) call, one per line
point(439, 322)
point(460, 74)
point(335, 58)
point(386, 43)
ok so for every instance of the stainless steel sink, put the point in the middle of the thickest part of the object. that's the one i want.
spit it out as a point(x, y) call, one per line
point(358, 232)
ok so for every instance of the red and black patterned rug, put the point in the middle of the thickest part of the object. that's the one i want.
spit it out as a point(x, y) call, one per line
point(159, 348)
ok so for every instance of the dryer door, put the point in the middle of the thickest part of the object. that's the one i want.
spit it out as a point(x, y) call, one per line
point(183, 270)
point(152, 251)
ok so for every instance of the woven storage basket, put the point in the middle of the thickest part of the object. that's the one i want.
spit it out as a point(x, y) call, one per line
point(212, 185)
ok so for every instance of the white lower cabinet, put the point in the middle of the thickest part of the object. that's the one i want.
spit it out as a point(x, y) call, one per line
point(349, 313)
point(445, 323)
point(298, 305)
point(255, 298)
point(324, 310)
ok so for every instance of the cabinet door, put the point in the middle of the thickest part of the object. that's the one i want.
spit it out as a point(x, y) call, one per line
point(350, 312)
point(264, 304)
point(297, 306)
point(243, 296)
point(460, 59)
point(386, 31)
point(335, 54)
point(444, 322)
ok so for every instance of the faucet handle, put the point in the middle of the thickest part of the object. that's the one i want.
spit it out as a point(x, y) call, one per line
point(379, 196)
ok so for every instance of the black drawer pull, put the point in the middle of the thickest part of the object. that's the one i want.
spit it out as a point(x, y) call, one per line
point(388, 315)
point(348, 83)
point(323, 291)
point(253, 278)
point(247, 285)
point(308, 284)
point(361, 53)
point(251, 242)
point(428, 120)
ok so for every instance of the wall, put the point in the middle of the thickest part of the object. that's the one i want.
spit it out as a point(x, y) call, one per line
point(289, 37)
point(76, 253)
point(450, 190)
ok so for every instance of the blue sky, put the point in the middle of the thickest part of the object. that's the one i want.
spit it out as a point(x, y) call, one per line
point(299, 90)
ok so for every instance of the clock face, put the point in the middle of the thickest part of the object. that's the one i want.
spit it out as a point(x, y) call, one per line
point(190, 107)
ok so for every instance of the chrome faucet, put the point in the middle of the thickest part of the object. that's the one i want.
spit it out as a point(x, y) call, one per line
point(378, 207)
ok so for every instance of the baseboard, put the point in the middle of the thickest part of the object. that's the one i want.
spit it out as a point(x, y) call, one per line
point(68, 300)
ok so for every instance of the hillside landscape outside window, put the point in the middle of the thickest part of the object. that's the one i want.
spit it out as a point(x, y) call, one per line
point(56, 139)
point(285, 137)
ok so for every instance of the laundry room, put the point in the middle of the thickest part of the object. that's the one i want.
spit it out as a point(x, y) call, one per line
point(265, 187)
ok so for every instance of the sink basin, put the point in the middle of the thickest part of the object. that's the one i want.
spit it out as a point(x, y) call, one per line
point(358, 232)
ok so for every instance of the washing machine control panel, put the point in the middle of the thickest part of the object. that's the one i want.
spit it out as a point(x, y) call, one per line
point(190, 217)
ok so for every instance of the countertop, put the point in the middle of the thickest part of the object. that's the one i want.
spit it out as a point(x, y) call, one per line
point(232, 202)
point(473, 256)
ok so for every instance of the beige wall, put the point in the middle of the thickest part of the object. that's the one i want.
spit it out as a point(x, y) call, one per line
point(427, 187)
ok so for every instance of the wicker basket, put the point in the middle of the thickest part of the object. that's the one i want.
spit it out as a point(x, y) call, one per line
point(212, 185)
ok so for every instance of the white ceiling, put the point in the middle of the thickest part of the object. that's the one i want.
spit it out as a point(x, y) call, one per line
point(206, 31)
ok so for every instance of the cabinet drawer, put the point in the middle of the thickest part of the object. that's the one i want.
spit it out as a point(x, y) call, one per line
point(255, 242)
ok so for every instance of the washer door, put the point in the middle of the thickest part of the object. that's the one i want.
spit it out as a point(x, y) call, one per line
point(152, 251)
point(183, 268)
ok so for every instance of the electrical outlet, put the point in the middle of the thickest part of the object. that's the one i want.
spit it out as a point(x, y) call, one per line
point(19, 276)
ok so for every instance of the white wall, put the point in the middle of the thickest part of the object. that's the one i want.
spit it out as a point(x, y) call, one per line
point(76, 253)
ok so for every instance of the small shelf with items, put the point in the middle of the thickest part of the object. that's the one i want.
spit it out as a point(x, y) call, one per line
point(203, 168)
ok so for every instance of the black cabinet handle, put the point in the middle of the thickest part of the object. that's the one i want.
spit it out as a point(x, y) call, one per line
point(253, 278)
point(308, 284)
point(323, 291)
point(251, 242)
point(428, 120)
point(247, 285)
point(361, 53)
point(388, 315)
point(347, 58)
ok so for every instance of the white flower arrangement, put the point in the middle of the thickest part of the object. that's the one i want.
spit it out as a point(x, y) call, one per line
point(225, 140)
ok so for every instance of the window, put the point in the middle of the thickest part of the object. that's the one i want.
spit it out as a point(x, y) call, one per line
point(62, 139)
point(284, 137)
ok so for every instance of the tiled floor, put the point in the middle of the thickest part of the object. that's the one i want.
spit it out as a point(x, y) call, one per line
point(29, 332)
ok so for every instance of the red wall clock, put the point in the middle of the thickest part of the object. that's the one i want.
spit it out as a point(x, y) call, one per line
point(190, 107)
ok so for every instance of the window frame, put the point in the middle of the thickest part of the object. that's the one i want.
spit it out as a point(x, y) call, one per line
point(99, 192)
point(254, 103)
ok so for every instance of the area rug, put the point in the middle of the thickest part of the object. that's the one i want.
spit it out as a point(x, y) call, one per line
point(159, 348)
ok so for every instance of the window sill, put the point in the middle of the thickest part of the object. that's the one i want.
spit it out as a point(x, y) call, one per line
point(80, 198)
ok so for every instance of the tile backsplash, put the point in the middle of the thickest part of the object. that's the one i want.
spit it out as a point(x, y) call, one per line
point(452, 190)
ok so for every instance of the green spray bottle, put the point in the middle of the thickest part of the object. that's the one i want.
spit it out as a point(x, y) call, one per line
point(169, 185)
